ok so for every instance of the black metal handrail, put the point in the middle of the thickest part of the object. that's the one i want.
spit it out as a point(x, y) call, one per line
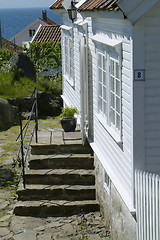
point(23, 131)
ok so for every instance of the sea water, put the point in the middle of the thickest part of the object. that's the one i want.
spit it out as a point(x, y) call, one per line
point(15, 20)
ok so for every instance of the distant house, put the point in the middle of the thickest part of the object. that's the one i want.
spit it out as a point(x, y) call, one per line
point(25, 36)
point(6, 44)
point(47, 33)
point(111, 73)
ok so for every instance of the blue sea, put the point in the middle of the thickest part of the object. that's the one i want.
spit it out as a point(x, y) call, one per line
point(15, 20)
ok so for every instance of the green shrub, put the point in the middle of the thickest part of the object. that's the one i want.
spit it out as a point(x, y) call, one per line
point(5, 56)
point(69, 113)
point(52, 86)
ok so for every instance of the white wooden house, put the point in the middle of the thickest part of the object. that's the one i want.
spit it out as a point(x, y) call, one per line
point(25, 36)
point(111, 73)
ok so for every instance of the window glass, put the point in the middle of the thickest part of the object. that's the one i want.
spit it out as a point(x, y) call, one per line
point(102, 83)
point(69, 63)
point(109, 85)
point(30, 32)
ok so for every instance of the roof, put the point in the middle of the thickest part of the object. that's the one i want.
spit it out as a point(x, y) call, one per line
point(6, 44)
point(49, 21)
point(91, 5)
point(48, 33)
point(57, 5)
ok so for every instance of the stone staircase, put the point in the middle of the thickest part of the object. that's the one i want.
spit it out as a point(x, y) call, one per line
point(60, 181)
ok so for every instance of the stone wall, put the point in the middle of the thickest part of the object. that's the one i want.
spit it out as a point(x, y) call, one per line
point(118, 217)
point(8, 114)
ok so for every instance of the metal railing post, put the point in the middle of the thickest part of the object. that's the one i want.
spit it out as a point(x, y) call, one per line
point(36, 115)
point(22, 153)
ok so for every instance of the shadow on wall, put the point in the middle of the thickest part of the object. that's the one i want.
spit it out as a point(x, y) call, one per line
point(8, 115)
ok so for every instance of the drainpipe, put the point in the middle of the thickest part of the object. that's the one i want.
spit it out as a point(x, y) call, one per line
point(84, 84)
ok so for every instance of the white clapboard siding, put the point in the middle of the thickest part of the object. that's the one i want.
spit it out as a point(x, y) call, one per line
point(154, 83)
point(116, 160)
point(152, 91)
point(147, 192)
point(70, 93)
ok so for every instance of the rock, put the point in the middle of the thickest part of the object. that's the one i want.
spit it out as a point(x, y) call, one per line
point(8, 237)
point(47, 105)
point(94, 237)
point(21, 61)
point(4, 205)
point(46, 236)
point(53, 225)
point(6, 175)
point(68, 229)
point(5, 218)
point(25, 235)
point(22, 104)
point(8, 114)
point(20, 223)
point(4, 231)
point(4, 224)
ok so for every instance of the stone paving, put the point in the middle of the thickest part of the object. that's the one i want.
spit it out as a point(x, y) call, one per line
point(62, 228)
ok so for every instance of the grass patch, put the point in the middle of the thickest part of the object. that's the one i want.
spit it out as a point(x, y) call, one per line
point(11, 88)
point(9, 145)
point(49, 92)
point(14, 89)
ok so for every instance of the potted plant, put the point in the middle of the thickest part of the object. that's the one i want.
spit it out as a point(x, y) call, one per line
point(68, 119)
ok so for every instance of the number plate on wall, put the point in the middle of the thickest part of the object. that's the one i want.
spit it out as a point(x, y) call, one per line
point(139, 75)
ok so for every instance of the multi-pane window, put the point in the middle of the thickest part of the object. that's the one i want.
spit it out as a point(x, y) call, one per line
point(109, 90)
point(31, 32)
point(69, 66)
point(115, 94)
point(102, 84)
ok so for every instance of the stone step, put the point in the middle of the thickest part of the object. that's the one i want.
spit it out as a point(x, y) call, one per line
point(54, 208)
point(69, 161)
point(62, 192)
point(60, 177)
point(73, 148)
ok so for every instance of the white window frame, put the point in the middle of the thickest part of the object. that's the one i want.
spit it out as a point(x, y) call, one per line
point(105, 116)
point(68, 56)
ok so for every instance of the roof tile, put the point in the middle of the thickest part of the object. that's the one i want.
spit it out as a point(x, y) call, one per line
point(91, 5)
point(57, 5)
point(6, 44)
point(48, 33)
point(49, 21)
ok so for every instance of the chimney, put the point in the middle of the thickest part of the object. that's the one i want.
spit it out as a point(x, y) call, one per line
point(44, 14)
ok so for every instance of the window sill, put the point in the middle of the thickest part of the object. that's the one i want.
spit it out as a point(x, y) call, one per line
point(70, 81)
point(110, 130)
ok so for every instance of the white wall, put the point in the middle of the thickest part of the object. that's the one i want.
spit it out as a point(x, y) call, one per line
point(71, 94)
point(116, 159)
point(152, 90)
point(23, 36)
